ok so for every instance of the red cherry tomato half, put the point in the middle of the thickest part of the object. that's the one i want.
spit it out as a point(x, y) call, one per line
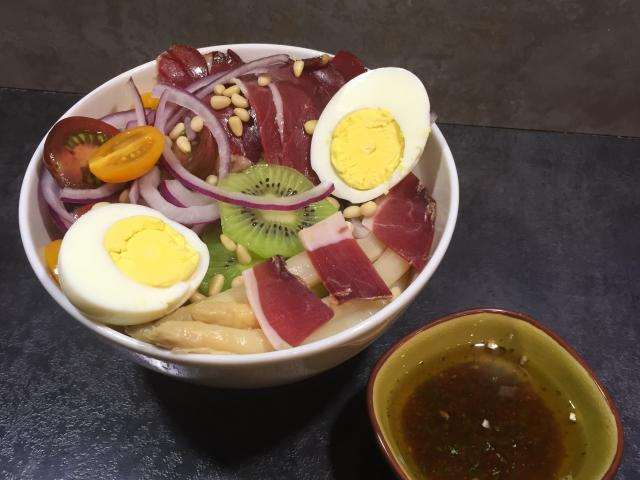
point(68, 147)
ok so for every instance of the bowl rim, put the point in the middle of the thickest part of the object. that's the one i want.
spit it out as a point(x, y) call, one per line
point(29, 183)
point(385, 448)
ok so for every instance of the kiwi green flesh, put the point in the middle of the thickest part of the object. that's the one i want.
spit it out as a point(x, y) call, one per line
point(266, 232)
point(221, 261)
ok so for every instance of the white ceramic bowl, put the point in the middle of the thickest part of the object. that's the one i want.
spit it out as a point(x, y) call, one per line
point(436, 169)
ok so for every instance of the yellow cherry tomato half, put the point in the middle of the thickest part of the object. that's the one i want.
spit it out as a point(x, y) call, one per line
point(128, 155)
point(51, 251)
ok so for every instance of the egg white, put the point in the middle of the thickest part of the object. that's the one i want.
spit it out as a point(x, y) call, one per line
point(95, 285)
point(395, 89)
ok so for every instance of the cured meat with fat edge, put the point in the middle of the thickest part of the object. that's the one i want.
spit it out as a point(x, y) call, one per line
point(343, 267)
point(404, 221)
point(283, 108)
point(286, 309)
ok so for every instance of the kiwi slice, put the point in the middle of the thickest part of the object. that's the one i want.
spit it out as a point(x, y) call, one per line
point(268, 232)
point(221, 261)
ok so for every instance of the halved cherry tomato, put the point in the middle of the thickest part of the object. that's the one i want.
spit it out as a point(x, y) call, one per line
point(68, 147)
point(128, 155)
point(203, 157)
point(51, 252)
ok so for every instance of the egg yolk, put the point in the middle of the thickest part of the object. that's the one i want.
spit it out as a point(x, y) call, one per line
point(366, 147)
point(149, 251)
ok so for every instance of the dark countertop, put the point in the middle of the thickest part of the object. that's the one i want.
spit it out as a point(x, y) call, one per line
point(561, 65)
point(549, 225)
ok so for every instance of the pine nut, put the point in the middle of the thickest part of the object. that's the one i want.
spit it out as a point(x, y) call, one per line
point(124, 196)
point(197, 124)
point(350, 226)
point(227, 243)
point(264, 80)
point(325, 59)
point(218, 102)
point(233, 89)
point(334, 202)
point(183, 144)
point(369, 208)
point(395, 291)
point(218, 89)
point(310, 126)
point(239, 101)
point(215, 284)
point(176, 131)
point(235, 124)
point(242, 114)
point(237, 282)
point(197, 297)
point(244, 257)
point(212, 180)
point(352, 212)
point(298, 66)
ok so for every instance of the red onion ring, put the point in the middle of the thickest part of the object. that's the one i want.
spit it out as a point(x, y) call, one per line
point(120, 119)
point(90, 195)
point(205, 85)
point(168, 196)
point(51, 194)
point(162, 113)
point(188, 131)
point(183, 195)
point(191, 102)
point(293, 202)
point(134, 192)
point(141, 117)
point(187, 216)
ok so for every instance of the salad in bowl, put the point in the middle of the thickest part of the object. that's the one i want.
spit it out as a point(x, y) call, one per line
point(241, 215)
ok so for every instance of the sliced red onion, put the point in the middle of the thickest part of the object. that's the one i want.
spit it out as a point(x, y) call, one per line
point(188, 131)
point(141, 117)
point(134, 192)
point(51, 194)
point(120, 119)
point(190, 102)
point(293, 202)
point(162, 113)
point(166, 194)
point(185, 196)
point(187, 216)
point(241, 84)
point(131, 124)
point(90, 195)
point(151, 116)
point(279, 106)
point(205, 85)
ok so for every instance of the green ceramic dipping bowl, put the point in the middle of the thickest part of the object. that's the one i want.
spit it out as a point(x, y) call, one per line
point(546, 353)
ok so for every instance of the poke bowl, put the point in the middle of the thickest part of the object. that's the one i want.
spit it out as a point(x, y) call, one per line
point(434, 170)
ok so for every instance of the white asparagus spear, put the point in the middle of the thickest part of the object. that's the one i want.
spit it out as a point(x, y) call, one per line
point(191, 334)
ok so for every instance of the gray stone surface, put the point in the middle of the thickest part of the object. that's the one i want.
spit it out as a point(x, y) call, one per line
point(566, 65)
point(548, 225)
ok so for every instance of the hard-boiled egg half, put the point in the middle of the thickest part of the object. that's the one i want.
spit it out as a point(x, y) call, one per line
point(372, 133)
point(126, 264)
